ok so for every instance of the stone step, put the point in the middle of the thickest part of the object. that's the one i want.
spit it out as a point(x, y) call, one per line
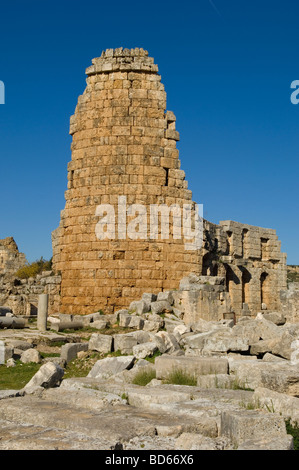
point(252, 425)
point(15, 436)
point(193, 365)
point(108, 425)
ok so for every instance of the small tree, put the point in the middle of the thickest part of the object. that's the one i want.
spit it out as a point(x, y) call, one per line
point(32, 269)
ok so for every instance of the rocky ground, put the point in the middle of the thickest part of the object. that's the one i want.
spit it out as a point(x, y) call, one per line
point(245, 382)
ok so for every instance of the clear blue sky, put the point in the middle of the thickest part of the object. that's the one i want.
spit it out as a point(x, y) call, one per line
point(227, 67)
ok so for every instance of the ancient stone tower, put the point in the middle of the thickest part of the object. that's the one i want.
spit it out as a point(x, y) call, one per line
point(123, 154)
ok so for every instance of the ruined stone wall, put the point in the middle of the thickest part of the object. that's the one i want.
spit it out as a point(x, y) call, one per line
point(256, 270)
point(290, 302)
point(21, 295)
point(293, 269)
point(203, 297)
point(124, 144)
point(243, 272)
point(10, 257)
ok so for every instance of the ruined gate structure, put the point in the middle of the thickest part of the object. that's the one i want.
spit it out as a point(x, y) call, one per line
point(124, 146)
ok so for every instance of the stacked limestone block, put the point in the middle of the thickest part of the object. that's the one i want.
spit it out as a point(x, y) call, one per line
point(10, 258)
point(124, 144)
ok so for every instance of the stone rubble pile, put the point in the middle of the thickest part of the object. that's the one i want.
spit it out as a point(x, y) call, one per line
point(246, 376)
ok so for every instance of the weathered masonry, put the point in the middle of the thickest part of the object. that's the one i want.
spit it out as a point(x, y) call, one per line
point(124, 146)
point(10, 257)
point(255, 268)
point(21, 295)
point(243, 272)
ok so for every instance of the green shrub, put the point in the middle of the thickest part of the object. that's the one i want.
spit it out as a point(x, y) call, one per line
point(153, 357)
point(294, 431)
point(144, 377)
point(179, 377)
point(32, 269)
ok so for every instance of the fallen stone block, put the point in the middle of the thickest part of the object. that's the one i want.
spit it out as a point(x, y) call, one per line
point(10, 362)
point(278, 376)
point(166, 296)
point(100, 343)
point(248, 373)
point(196, 365)
point(88, 398)
point(282, 378)
point(169, 431)
point(31, 355)
point(268, 443)
point(100, 324)
point(69, 351)
point(160, 306)
point(136, 322)
point(142, 336)
point(166, 342)
point(57, 360)
point(180, 330)
point(276, 402)
point(204, 326)
point(148, 297)
point(170, 324)
point(105, 368)
point(49, 375)
point(283, 345)
point(151, 326)
point(241, 426)
point(275, 317)
point(268, 357)
point(124, 343)
point(65, 317)
point(88, 319)
point(267, 329)
point(215, 381)
point(9, 351)
point(178, 312)
point(195, 441)
point(155, 383)
point(112, 318)
point(148, 397)
point(67, 325)
point(219, 340)
point(255, 330)
point(124, 318)
point(197, 341)
point(139, 307)
point(222, 342)
point(143, 350)
point(262, 347)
